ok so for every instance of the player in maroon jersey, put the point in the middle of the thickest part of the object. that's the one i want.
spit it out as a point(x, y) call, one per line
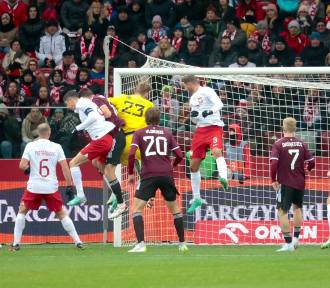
point(108, 167)
point(290, 160)
point(156, 145)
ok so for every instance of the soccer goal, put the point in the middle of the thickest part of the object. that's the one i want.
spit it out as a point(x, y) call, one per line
point(255, 103)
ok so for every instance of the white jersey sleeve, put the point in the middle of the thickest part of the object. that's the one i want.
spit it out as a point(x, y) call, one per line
point(92, 119)
point(43, 156)
point(205, 99)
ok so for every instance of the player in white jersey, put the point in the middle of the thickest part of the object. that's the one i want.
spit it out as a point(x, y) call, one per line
point(40, 159)
point(99, 130)
point(205, 107)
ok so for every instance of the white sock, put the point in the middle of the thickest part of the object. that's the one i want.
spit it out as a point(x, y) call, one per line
point(19, 227)
point(195, 178)
point(222, 167)
point(77, 181)
point(69, 227)
point(328, 210)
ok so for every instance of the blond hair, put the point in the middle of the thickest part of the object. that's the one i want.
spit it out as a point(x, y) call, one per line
point(289, 125)
point(90, 16)
point(142, 88)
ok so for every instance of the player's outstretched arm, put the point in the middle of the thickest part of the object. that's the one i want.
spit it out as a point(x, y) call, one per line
point(91, 118)
point(106, 112)
point(66, 172)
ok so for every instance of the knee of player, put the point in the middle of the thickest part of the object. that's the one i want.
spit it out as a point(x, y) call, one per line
point(60, 214)
point(216, 153)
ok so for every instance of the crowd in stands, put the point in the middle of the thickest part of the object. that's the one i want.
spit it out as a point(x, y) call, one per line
point(48, 47)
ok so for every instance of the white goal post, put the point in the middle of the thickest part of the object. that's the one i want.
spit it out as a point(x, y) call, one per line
point(246, 213)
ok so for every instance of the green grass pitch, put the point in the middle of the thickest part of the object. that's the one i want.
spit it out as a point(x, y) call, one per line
point(62, 266)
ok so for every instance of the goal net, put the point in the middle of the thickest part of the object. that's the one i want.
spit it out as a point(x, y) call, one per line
point(255, 103)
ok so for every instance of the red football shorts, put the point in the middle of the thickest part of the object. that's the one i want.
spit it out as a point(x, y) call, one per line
point(32, 201)
point(99, 148)
point(206, 138)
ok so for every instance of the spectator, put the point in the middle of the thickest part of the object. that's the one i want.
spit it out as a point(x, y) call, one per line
point(192, 10)
point(304, 19)
point(296, 40)
point(96, 20)
point(272, 60)
point(327, 18)
point(178, 41)
point(34, 67)
point(188, 28)
point(31, 30)
point(109, 11)
point(7, 32)
point(263, 37)
point(248, 23)
point(314, 54)
point(315, 8)
point(68, 67)
point(16, 8)
point(44, 100)
point(97, 73)
point(12, 98)
point(157, 30)
point(133, 57)
point(124, 25)
point(55, 123)
point(29, 126)
point(274, 22)
point(164, 9)
point(224, 55)
point(48, 9)
point(324, 33)
point(311, 118)
point(57, 87)
point(73, 15)
point(15, 60)
point(243, 6)
point(87, 48)
point(3, 84)
point(136, 12)
point(213, 25)
point(236, 35)
point(165, 50)
point(146, 44)
point(255, 53)
point(298, 62)
point(225, 11)
point(84, 82)
point(192, 56)
point(10, 136)
point(169, 108)
point(242, 60)
point(28, 87)
point(205, 42)
point(52, 46)
point(284, 54)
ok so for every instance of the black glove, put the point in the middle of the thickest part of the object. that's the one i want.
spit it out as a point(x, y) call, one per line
point(207, 113)
point(69, 193)
point(27, 171)
point(193, 114)
point(74, 131)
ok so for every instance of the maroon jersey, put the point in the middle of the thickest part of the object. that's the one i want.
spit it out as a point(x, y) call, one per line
point(156, 145)
point(289, 156)
point(100, 100)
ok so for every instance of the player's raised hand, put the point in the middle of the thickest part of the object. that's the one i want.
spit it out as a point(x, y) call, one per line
point(193, 114)
point(131, 179)
point(207, 113)
point(276, 186)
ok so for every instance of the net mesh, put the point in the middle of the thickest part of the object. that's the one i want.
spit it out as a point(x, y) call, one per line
point(246, 212)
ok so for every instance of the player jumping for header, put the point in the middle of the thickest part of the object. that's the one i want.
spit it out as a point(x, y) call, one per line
point(99, 131)
point(205, 112)
point(108, 168)
point(290, 158)
point(40, 159)
point(156, 145)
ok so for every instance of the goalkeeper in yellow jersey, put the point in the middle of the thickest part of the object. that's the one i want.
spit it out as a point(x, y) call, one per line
point(132, 109)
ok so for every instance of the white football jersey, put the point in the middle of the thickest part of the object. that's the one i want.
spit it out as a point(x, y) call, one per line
point(43, 156)
point(98, 128)
point(203, 99)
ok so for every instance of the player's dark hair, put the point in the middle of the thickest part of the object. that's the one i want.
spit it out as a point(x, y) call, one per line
point(70, 94)
point(85, 92)
point(153, 116)
point(189, 79)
